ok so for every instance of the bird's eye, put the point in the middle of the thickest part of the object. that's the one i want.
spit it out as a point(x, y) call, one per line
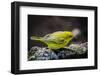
point(70, 36)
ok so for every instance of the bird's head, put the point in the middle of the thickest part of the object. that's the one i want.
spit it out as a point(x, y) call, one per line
point(73, 34)
point(69, 35)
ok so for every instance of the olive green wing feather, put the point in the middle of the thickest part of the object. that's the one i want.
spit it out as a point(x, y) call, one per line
point(52, 39)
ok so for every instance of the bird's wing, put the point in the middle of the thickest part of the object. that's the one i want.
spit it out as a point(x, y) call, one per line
point(55, 40)
point(59, 40)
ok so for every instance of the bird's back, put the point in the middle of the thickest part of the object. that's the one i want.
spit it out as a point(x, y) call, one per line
point(56, 40)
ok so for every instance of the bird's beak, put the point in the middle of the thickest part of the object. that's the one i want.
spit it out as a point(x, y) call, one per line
point(76, 32)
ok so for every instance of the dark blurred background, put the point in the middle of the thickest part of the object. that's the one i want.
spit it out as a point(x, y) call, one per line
point(39, 25)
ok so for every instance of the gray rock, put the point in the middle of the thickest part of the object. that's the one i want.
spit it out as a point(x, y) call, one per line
point(65, 53)
point(42, 54)
point(79, 48)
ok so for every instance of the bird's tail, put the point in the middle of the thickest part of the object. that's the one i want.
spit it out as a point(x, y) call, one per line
point(36, 38)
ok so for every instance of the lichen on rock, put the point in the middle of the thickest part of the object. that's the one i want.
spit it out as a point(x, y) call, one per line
point(42, 54)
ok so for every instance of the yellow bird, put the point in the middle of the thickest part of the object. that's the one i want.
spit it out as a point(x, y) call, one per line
point(56, 40)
